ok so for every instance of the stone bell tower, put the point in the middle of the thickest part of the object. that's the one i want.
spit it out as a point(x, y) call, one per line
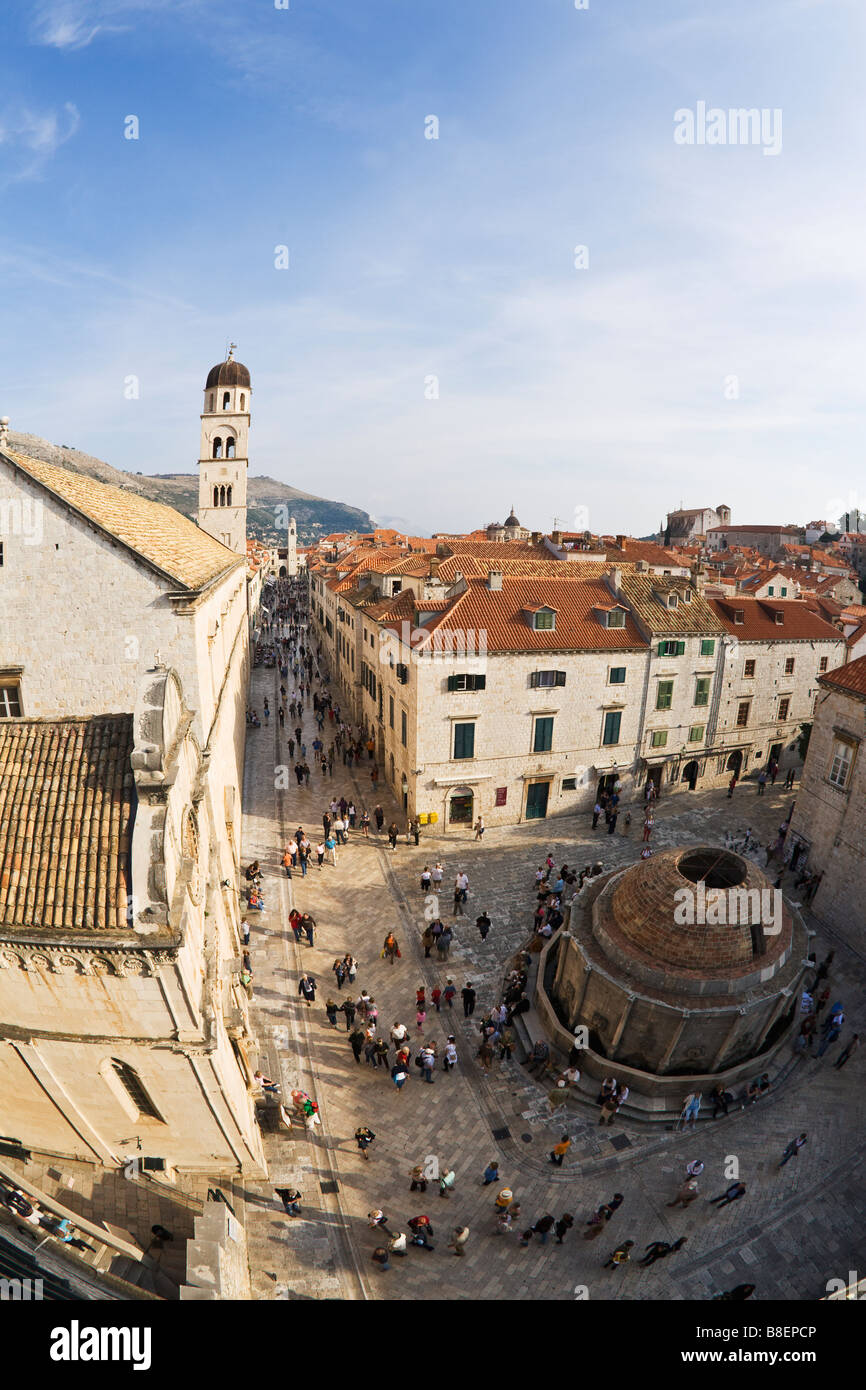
point(223, 455)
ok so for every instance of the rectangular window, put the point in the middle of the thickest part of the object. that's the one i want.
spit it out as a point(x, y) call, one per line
point(743, 714)
point(659, 738)
point(616, 675)
point(402, 673)
point(822, 664)
point(616, 617)
point(784, 706)
point(464, 741)
point(544, 621)
point(696, 733)
point(841, 763)
point(665, 695)
point(404, 728)
point(10, 702)
point(789, 666)
point(391, 711)
point(569, 784)
point(612, 722)
point(708, 646)
point(545, 680)
point(749, 670)
point(784, 591)
point(770, 590)
point(467, 682)
point(702, 690)
point(542, 741)
point(671, 648)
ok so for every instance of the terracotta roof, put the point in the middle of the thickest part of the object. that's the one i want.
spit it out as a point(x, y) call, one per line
point(644, 550)
point(67, 801)
point(501, 614)
point(759, 530)
point(854, 637)
point(851, 678)
point(800, 621)
point(168, 541)
point(642, 590)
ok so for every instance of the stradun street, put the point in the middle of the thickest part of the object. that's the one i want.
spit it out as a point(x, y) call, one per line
point(795, 1227)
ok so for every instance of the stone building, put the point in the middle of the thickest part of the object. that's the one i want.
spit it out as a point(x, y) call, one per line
point(828, 827)
point(768, 540)
point(685, 526)
point(124, 664)
point(478, 709)
point(664, 998)
point(508, 530)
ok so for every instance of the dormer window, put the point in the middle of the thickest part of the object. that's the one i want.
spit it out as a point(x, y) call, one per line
point(739, 616)
point(672, 600)
point(616, 617)
point(542, 619)
point(780, 618)
point(687, 596)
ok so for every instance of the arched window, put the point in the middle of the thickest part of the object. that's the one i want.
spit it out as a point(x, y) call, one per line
point(216, 496)
point(243, 400)
point(132, 1084)
point(229, 495)
point(217, 448)
point(210, 401)
point(222, 496)
point(230, 448)
point(227, 395)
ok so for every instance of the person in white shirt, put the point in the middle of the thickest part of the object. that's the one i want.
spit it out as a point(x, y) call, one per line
point(450, 1058)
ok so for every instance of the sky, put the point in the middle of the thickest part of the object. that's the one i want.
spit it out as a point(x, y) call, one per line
point(436, 350)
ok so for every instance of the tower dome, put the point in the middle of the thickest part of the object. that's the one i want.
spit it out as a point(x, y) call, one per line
point(228, 373)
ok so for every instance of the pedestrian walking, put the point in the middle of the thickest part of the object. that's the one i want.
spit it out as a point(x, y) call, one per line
point(380, 1257)
point(659, 1250)
point(331, 1011)
point(469, 997)
point(436, 998)
point(422, 1230)
point(563, 1226)
point(479, 828)
point(307, 989)
point(446, 1183)
point(686, 1193)
point(793, 1148)
point(458, 1244)
point(491, 1173)
point(356, 1040)
point(846, 1052)
point(732, 1193)
point(596, 1223)
point(449, 992)
point(483, 925)
point(558, 1152)
point(449, 1060)
point(620, 1256)
point(418, 1179)
point(364, 1138)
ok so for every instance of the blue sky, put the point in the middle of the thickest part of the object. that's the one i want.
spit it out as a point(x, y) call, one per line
point(603, 392)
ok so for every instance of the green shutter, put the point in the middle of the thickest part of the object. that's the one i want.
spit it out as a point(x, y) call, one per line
point(452, 682)
point(681, 648)
point(661, 648)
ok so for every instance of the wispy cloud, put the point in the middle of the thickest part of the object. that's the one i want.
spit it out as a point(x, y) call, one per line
point(29, 139)
point(72, 24)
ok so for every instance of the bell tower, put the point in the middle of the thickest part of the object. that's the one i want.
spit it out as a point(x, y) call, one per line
point(223, 454)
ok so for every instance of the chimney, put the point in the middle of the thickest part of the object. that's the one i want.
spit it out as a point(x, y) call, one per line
point(441, 549)
point(536, 538)
point(620, 542)
point(494, 579)
point(641, 566)
point(434, 566)
point(615, 577)
point(556, 537)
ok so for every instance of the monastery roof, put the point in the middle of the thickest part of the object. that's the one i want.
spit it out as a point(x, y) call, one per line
point(501, 614)
point(799, 620)
point(168, 541)
point(67, 800)
point(850, 678)
point(759, 530)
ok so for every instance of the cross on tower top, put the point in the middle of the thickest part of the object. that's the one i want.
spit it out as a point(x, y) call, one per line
point(232, 347)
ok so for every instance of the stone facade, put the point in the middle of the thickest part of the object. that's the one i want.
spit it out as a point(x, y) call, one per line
point(829, 821)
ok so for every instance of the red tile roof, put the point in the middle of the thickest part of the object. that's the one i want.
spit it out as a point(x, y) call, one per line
point(800, 622)
point(851, 678)
point(67, 799)
point(501, 614)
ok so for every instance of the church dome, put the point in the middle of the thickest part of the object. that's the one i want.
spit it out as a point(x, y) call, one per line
point(228, 373)
point(512, 520)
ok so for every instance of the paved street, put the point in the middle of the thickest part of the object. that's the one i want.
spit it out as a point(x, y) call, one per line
point(794, 1229)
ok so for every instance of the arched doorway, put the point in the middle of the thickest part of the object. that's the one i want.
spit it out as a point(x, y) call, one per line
point(460, 806)
point(283, 572)
point(690, 774)
point(735, 761)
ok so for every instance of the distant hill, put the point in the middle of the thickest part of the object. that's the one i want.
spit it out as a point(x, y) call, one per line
point(315, 516)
